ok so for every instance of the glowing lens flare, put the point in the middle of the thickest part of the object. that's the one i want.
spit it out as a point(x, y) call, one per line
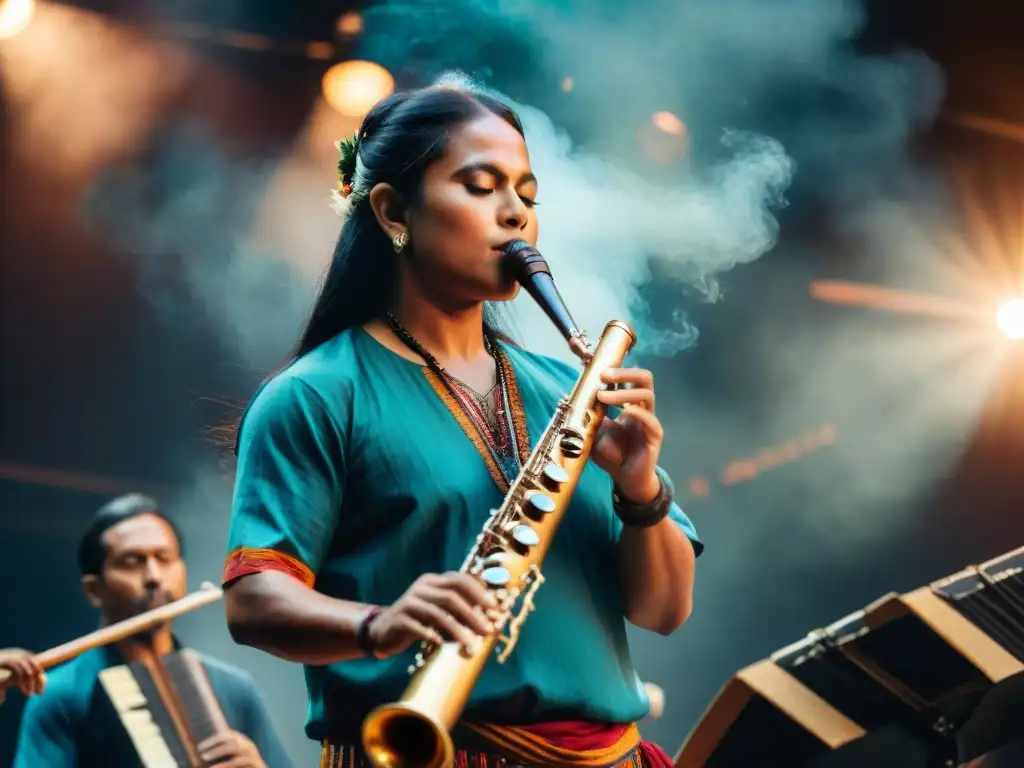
point(353, 87)
point(15, 16)
point(349, 24)
point(669, 123)
point(1010, 318)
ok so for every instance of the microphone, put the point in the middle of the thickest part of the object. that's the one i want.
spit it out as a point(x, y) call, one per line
point(524, 264)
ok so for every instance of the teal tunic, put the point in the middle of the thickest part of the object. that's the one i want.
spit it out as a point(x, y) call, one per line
point(350, 462)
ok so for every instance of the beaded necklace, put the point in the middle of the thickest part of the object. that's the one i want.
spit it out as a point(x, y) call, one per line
point(490, 414)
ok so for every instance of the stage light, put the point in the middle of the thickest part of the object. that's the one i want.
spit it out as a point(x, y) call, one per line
point(349, 24)
point(669, 123)
point(15, 16)
point(318, 49)
point(353, 87)
point(664, 138)
point(1010, 318)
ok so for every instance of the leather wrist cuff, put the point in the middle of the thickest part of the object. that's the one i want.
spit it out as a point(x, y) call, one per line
point(649, 514)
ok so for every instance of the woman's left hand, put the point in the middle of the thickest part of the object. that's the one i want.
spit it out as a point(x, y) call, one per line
point(627, 448)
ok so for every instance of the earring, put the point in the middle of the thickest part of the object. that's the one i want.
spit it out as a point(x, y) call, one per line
point(399, 241)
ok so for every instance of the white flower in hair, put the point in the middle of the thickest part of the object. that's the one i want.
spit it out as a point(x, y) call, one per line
point(340, 204)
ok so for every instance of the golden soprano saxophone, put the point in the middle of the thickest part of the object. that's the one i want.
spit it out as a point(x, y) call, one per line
point(506, 558)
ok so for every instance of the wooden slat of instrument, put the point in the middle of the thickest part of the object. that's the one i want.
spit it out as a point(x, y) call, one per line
point(906, 674)
point(131, 706)
point(734, 724)
point(991, 596)
point(167, 706)
point(206, 594)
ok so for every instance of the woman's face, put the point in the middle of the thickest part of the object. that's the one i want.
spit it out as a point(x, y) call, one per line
point(476, 198)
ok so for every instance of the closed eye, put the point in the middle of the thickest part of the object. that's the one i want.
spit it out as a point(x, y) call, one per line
point(473, 189)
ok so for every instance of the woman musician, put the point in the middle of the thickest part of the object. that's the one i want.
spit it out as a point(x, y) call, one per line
point(367, 467)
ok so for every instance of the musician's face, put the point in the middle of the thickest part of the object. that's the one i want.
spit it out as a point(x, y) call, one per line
point(143, 568)
point(477, 197)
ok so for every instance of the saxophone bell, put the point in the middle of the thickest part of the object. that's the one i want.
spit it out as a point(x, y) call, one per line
point(398, 736)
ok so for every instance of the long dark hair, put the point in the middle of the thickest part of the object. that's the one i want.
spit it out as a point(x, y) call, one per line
point(399, 139)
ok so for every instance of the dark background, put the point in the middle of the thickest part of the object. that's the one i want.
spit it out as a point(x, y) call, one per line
point(107, 384)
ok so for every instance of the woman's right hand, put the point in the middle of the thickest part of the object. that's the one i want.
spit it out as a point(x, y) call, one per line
point(435, 608)
point(20, 668)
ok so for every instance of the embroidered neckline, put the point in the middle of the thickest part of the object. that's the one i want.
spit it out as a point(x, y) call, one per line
point(503, 444)
point(503, 466)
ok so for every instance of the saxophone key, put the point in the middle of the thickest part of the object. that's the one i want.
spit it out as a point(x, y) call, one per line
point(572, 443)
point(538, 505)
point(496, 576)
point(522, 537)
point(554, 475)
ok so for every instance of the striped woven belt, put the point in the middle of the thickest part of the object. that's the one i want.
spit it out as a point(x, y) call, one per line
point(343, 756)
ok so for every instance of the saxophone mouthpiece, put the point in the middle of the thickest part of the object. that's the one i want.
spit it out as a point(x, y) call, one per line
point(524, 264)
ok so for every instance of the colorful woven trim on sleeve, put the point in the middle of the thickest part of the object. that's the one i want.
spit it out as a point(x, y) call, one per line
point(245, 560)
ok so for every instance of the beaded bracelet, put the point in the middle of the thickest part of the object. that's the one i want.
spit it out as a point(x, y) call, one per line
point(363, 632)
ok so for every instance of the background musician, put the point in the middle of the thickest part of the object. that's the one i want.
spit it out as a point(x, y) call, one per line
point(367, 467)
point(131, 562)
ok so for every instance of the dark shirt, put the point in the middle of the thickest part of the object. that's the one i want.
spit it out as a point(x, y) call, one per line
point(73, 724)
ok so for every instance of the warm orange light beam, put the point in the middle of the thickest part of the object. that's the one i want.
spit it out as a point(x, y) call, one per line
point(1014, 267)
point(1010, 318)
point(894, 300)
point(82, 482)
point(990, 125)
